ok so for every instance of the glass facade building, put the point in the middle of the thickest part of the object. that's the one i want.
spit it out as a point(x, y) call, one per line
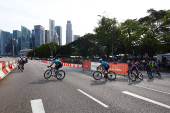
point(39, 35)
point(5, 43)
point(25, 38)
point(58, 29)
point(51, 29)
point(68, 32)
point(17, 41)
point(75, 37)
point(47, 38)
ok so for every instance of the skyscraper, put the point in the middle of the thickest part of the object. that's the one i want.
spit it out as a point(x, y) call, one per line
point(17, 43)
point(75, 37)
point(55, 39)
point(69, 32)
point(39, 35)
point(25, 38)
point(5, 42)
point(51, 29)
point(58, 29)
point(47, 38)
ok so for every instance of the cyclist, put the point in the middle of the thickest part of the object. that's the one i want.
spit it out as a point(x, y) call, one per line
point(134, 67)
point(19, 62)
point(58, 65)
point(105, 66)
point(155, 66)
point(23, 61)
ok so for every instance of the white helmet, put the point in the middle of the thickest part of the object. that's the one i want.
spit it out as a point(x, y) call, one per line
point(100, 59)
point(128, 61)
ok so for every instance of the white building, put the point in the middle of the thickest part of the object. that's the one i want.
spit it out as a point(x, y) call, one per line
point(55, 39)
point(58, 29)
point(51, 29)
point(68, 32)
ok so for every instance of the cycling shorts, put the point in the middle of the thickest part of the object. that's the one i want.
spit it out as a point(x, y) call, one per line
point(106, 67)
point(135, 68)
point(59, 65)
point(155, 67)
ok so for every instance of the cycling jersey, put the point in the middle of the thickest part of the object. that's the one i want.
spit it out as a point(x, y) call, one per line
point(56, 61)
point(104, 63)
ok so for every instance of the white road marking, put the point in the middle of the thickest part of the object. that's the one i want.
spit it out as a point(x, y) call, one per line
point(153, 89)
point(37, 106)
point(146, 99)
point(93, 98)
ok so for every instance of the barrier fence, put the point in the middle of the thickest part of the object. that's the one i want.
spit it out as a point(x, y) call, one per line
point(120, 68)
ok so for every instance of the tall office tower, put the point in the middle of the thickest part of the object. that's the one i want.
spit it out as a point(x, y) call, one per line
point(58, 29)
point(32, 42)
point(68, 32)
point(39, 35)
point(47, 38)
point(55, 39)
point(17, 41)
point(5, 43)
point(25, 38)
point(51, 29)
point(75, 37)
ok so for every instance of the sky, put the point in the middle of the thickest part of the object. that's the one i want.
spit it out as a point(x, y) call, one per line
point(83, 14)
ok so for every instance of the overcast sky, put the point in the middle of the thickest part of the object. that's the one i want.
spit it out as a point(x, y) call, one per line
point(81, 13)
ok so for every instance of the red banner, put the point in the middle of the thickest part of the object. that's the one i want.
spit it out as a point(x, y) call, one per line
point(86, 65)
point(118, 68)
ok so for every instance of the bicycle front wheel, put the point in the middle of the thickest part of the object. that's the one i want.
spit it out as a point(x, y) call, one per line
point(141, 76)
point(60, 75)
point(150, 75)
point(131, 76)
point(97, 75)
point(111, 75)
point(47, 74)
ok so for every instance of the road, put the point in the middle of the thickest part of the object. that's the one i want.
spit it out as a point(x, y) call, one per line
point(28, 91)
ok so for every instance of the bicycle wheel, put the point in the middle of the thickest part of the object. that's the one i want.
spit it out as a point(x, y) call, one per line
point(141, 76)
point(97, 75)
point(47, 74)
point(158, 73)
point(111, 75)
point(60, 75)
point(150, 75)
point(131, 76)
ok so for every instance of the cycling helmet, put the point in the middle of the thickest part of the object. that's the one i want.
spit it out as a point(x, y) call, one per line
point(128, 61)
point(100, 59)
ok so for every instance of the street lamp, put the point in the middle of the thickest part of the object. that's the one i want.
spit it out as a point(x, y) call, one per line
point(13, 45)
point(51, 50)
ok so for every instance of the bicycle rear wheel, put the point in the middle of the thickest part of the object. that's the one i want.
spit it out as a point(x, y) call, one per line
point(60, 75)
point(47, 74)
point(111, 75)
point(97, 75)
point(150, 75)
point(131, 76)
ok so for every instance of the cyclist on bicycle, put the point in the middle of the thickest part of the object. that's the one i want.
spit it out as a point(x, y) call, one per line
point(58, 65)
point(105, 66)
point(155, 66)
point(19, 62)
point(134, 67)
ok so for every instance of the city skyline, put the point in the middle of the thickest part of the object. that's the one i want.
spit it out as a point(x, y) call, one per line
point(84, 19)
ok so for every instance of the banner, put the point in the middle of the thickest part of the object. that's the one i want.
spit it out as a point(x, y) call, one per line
point(86, 65)
point(94, 65)
point(118, 68)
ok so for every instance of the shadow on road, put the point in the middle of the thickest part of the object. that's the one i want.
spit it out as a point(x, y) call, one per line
point(43, 81)
point(98, 82)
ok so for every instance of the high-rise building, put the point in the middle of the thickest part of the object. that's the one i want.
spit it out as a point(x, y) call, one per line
point(39, 35)
point(55, 39)
point(69, 32)
point(58, 29)
point(17, 41)
point(47, 38)
point(25, 38)
point(5, 43)
point(51, 29)
point(32, 40)
point(75, 37)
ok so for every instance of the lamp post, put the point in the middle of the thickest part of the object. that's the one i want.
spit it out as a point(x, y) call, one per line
point(51, 50)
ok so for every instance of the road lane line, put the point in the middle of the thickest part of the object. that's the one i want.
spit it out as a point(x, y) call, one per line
point(93, 98)
point(153, 89)
point(146, 99)
point(37, 106)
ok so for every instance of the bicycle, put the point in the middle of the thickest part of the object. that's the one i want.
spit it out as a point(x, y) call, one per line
point(20, 68)
point(155, 71)
point(133, 76)
point(59, 74)
point(97, 75)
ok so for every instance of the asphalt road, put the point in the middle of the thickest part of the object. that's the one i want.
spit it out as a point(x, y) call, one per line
point(80, 93)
